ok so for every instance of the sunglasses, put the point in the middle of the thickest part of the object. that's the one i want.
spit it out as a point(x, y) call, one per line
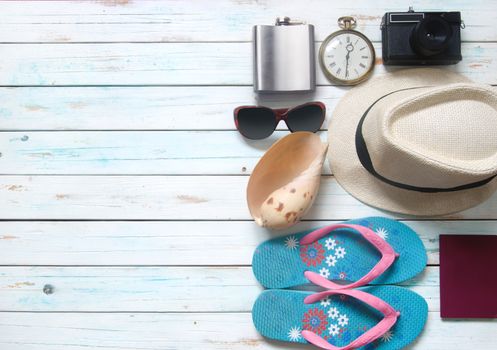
point(257, 122)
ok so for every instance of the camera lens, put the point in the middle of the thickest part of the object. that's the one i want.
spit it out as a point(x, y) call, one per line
point(431, 36)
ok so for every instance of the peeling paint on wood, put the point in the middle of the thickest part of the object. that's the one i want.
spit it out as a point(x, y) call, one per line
point(113, 2)
point(191, 199)
point(34, 108)
point(243, 342)
point(8, 237)
point(20, 285)
point(40, 154)
point(77, 105)
point(61, 196)
point(16, 188)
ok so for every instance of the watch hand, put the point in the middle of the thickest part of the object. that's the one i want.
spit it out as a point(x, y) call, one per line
point(347, 64)
point(349, 48)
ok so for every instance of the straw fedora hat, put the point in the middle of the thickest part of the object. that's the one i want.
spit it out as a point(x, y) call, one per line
point(417, 141)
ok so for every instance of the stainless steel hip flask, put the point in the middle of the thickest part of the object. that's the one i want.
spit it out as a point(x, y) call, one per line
point(284, 57)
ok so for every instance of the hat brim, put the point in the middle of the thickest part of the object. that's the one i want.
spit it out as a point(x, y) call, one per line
point(357, 181)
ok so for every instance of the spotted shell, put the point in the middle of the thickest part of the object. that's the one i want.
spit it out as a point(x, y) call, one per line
point(286, 180)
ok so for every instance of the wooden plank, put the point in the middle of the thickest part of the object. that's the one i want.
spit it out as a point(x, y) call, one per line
point(171, 242)
point(168, 198)
point(173, 64)
point(149, 289)
point(219, 331)
point(131, 152)
point(141, 108)
point(154, 21)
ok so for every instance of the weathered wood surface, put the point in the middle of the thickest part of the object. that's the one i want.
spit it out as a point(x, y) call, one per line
point(220, 331)
point(122, 110)
point(169, 198)
point(169, 243)
point(225, 20)
point(175, 64)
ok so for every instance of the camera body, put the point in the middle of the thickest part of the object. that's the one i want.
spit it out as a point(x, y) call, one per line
point(421, 38)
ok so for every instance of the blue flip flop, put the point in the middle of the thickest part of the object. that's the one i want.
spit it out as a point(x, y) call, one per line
point(376, 317)
point(372, 250)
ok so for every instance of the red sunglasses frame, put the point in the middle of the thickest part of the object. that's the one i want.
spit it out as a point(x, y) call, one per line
point(280, 114)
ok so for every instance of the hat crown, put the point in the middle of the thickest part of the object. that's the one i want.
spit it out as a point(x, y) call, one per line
point(436, 137)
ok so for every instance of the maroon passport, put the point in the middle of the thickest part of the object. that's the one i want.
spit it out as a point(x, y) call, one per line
point(468, 276)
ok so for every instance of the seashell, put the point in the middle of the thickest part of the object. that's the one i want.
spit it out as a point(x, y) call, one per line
point(286, 179)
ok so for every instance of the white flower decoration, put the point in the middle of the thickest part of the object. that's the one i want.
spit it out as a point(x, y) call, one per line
point(330, 244)
point(334, 329)
point(383, 233)
point(294, 334)
point(343, 320)
point(324, 272)
point(325, 302)
point(387, 336)
point(340, 252)
point(291, 242)
point(333, 313)
point(331, 260)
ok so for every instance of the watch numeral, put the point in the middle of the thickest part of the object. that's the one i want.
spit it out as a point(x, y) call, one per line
point(364, 56)
point(332, 64)
point(339, 70)
point(348, 39)
point(363, 66)
point(362, 48)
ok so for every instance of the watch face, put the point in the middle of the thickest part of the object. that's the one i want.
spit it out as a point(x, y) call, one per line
point(347, 57)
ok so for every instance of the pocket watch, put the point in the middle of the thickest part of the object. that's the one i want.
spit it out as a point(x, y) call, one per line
point(346, 56)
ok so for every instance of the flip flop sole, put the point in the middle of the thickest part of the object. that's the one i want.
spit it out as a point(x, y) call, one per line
point(340, 256)
point(282, 315)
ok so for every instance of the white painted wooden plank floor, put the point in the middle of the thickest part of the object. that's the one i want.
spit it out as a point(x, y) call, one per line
point(122, 177)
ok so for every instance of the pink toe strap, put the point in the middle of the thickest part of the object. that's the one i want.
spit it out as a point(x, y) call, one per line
point(388, 256)
point(389, 319)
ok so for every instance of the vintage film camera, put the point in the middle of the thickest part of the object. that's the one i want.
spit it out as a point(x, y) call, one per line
point(421, 38)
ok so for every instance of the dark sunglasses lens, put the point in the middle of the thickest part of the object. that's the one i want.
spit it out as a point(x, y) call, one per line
point(256, 123)
point(305, 118)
